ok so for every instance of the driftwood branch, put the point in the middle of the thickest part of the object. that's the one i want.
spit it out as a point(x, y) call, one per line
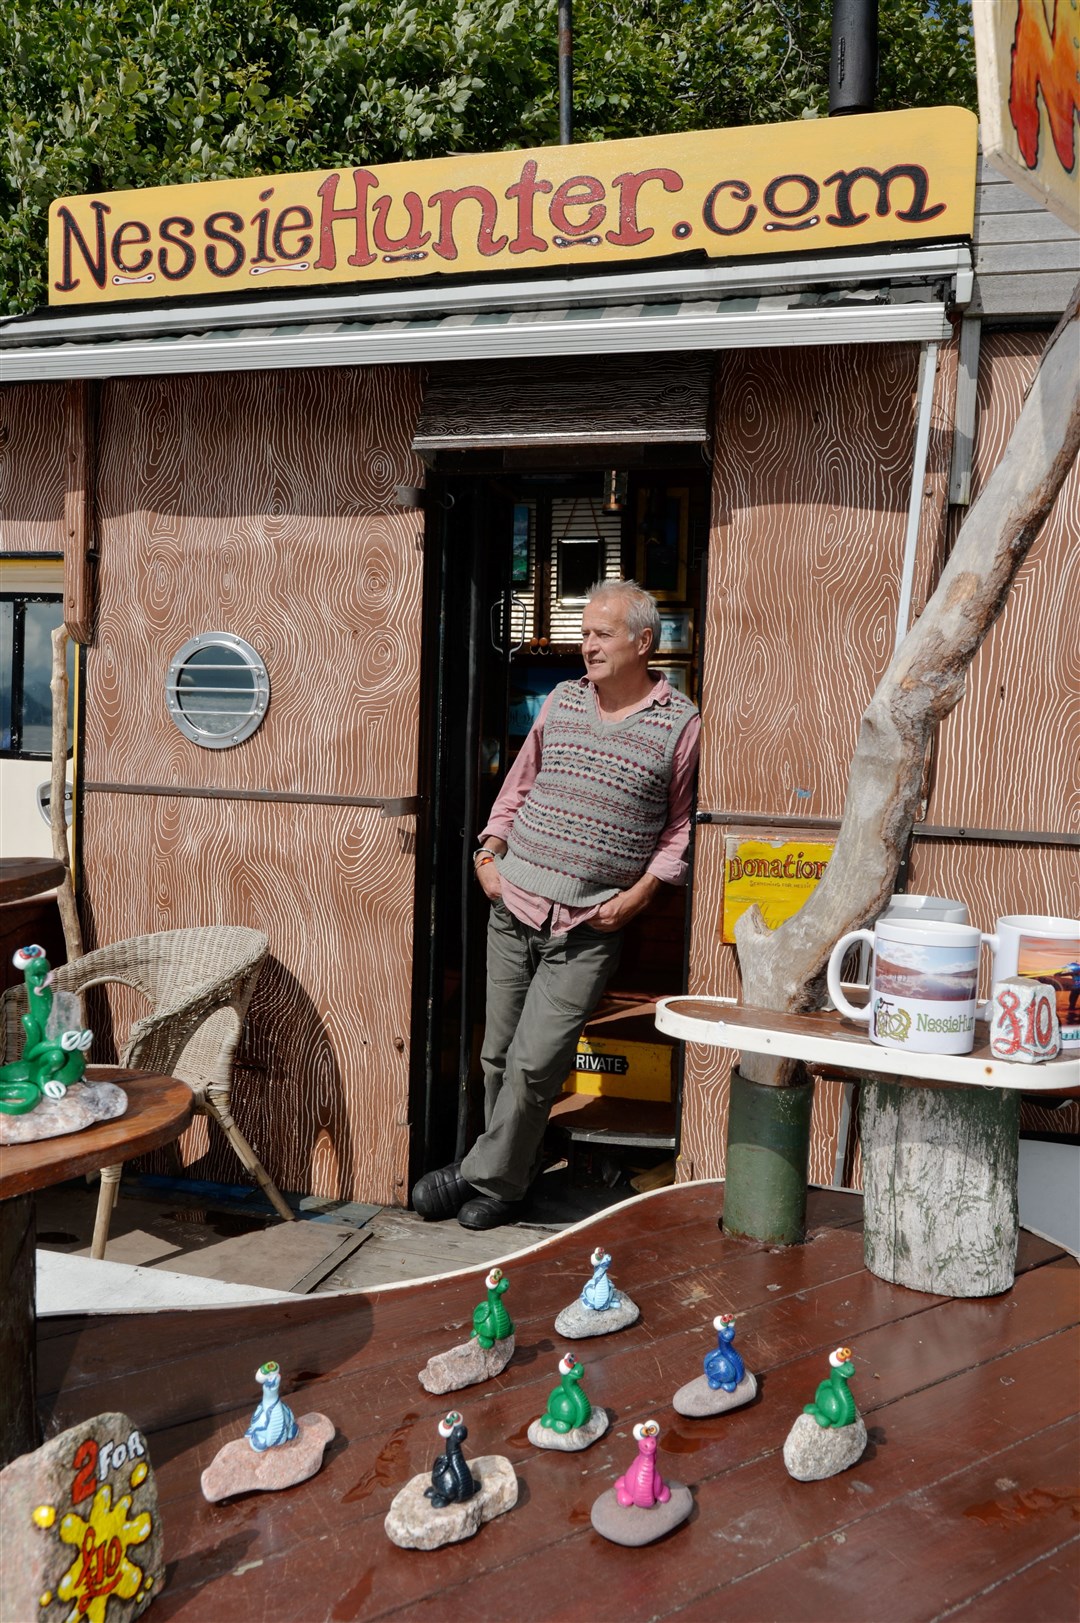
point(65, 891)
point(783, 969)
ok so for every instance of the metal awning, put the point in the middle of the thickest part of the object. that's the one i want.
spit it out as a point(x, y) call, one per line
point(881, 313)
point(567, 400)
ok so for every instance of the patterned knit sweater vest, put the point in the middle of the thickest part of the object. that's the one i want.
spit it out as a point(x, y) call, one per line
point(591, 820)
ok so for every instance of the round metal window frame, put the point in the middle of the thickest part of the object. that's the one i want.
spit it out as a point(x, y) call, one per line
point(260, 684)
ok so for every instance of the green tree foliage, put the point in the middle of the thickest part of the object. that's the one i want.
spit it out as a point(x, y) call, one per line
point(109, 94)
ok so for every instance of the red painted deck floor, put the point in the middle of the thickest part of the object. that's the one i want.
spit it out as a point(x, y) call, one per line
point(964, 1505)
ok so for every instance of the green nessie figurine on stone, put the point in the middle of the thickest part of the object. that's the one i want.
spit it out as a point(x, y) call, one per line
point(52, 1058)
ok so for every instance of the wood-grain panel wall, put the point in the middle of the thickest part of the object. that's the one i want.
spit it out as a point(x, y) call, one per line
point(33, 466)
point(262, 504)
point(998, 762)
point(321, 1081)
point(811, 483)
point(1007, 755)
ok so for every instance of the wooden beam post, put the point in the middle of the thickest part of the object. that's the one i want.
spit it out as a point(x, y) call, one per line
point(78, 513)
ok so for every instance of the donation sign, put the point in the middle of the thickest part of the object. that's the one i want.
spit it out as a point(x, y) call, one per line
point(776, 874)
point(818, 185)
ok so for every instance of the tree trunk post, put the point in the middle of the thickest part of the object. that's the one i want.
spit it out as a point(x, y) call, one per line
point(939, 1186)
point(767, 1160)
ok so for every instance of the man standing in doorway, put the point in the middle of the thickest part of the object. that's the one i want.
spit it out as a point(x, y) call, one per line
point(593, 818)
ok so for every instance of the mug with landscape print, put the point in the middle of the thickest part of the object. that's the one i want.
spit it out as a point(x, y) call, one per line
point(1044, 949)
point(923, 979)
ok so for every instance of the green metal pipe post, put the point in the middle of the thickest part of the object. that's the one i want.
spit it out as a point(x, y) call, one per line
point(768, 1157)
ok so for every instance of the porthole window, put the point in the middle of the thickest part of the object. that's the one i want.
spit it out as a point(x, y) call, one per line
point(217, 690)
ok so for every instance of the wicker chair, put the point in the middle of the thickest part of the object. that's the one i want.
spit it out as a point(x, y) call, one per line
point(199, 984)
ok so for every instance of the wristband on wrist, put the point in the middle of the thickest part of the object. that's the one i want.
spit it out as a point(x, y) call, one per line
point(481, 862)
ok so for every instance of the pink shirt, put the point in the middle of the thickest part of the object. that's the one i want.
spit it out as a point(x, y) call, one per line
point(668, 861)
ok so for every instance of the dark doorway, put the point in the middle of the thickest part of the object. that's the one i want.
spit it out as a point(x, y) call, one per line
point(512, 551)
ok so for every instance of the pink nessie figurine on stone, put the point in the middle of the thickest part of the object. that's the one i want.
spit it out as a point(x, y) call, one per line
point(642, 1507)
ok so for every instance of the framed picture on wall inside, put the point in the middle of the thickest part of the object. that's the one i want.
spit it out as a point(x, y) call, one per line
point(677, 672)
point(661, 528)
point(676, 631)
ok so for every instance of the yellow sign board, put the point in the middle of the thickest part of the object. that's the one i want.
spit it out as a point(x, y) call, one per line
point(608, 1068)
point(776, 874)
point(1027, 53)
point(815, 186)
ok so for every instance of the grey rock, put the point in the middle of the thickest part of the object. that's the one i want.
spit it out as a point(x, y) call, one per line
point(569, 1442)
point(465, 1365)
point(813, 1452)
point(578, 1320)
point(631, 1525)
point(38, 1507)
point(239, 1468)
point(414, 1523)
point(83, 1104)
point(697, 1398)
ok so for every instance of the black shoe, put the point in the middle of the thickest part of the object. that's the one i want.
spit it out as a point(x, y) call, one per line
point(489, 1212)
point(442, 1193)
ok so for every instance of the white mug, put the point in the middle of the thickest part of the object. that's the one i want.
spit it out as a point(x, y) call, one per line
point(1043, 948)
point(905, 904)
point(923, 980)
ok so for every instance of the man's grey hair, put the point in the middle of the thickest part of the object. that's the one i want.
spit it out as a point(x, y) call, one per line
point(642, 613)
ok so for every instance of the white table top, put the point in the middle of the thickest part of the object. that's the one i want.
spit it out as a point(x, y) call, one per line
point(826, 1038)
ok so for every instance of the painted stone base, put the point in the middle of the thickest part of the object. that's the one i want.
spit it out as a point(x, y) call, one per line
point(633, 1526)
point(83, 1104)
point(414, 1523)
point(570, 1442)
point(237, 1468)
point(813, 1452)
point(697, 1398)
point(76, 1494)
point(578, 1321)
point(465, 1365)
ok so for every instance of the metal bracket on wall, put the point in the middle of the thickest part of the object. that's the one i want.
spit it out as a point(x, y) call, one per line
point(920, 831)
point(388, 805)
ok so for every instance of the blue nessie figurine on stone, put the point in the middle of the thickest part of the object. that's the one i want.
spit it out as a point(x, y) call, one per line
point(600, 1308)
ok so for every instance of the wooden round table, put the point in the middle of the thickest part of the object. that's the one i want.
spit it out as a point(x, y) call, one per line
point(159, 1108)
point(27, 876)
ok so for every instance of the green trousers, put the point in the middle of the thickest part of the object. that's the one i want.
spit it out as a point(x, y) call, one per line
point(541, 989)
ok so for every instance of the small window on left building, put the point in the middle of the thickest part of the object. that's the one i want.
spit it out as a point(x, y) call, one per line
point(31, 607)
point(27, 621)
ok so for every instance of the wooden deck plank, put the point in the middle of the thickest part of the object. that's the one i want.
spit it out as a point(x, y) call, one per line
point(498, 1415)
point(383, 1344)
point(748, 1516)
point(944, 1384)
point(334, 1336)
point(423, 1318)
point(915, 1553)
point(1045, 1591)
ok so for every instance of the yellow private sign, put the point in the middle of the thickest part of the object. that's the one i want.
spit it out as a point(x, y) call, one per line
point(1028, 59)
point(776, 874)
point(779, 188)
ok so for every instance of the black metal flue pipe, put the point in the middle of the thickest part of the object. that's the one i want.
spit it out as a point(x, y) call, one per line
point(854, 58)
point(566, 73)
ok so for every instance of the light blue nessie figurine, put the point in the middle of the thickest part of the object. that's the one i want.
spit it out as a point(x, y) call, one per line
point(273, 1421)
point(600, 1293)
